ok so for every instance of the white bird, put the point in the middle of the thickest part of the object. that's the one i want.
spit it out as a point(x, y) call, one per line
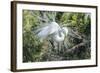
point(55, 33)
point(53, 30)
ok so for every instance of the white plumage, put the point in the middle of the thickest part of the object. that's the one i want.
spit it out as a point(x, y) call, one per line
point(59, 36)
point(54, 30)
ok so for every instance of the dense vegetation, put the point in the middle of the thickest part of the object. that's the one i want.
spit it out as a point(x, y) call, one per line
point(77, 41)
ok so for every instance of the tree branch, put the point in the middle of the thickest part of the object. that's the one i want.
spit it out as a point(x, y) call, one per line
point(77, 46)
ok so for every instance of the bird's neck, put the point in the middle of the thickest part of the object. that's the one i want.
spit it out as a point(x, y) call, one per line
point(61, 34)
point(60, 37)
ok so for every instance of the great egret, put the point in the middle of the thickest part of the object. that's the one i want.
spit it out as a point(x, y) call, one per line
point(54, 31)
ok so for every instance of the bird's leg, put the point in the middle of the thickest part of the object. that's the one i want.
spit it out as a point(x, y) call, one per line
point(56, 45)
point(55, 49)
point(59, 47)
point(65, 43)
point(51, 42)
point(53, 45)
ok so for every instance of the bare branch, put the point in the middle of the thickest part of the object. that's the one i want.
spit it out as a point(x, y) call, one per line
point(77, 46)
